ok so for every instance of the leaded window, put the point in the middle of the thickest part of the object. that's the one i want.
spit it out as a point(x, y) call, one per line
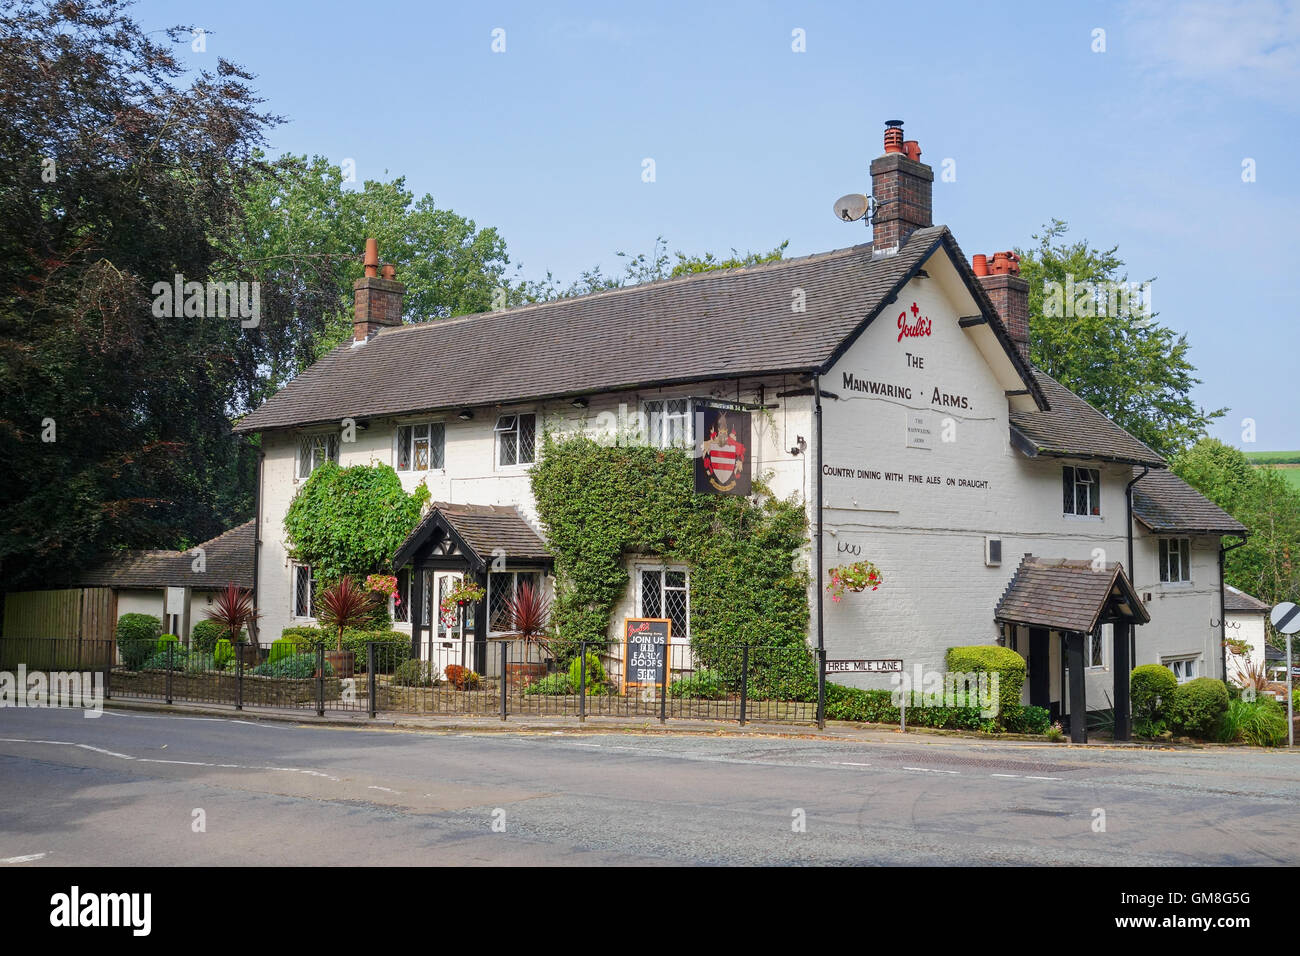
point(516, 437)
point(1175, 559)
point(665, 593)
point(304, 592)
point(668, 422)
point(314, 450)
point(502, 586)
point(1081, 491)
point(421, 447)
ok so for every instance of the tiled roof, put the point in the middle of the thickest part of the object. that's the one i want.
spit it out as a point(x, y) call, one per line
point(1071, 428)
point(1164, 502)
point(1065, 595)
point(484, 529)
point(228, 559)
point(1241, 602)
point(721, 324)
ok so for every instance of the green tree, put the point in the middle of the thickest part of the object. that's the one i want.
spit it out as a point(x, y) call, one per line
point(116, 173)
point(1260, 499)
point(1107, 347)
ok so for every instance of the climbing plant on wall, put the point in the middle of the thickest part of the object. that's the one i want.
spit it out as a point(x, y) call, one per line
point(600, 504)
point(351, 520)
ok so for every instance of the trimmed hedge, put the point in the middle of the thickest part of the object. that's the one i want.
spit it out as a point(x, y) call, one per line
point(205, 634)
point(297, 667)
point(1151, 692)
point(415, 673)
point(1198, 706)
point(595, 673)
point(877, 706)
point(702, 685)
point(223, 653)
point(137, 638)
point(1009, 666)
point(392, 648)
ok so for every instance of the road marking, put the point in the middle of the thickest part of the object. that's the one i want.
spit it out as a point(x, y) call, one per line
point(930, 770)
point(591, 746)
point(850, 763)
point(1012, 775)
point(185, 763)
point(1042, 778)
point(23, 859)
point(385, 789)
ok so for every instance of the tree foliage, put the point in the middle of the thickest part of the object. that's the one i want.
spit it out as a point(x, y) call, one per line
point(1108, 348)
point(351, 521)
point(1259, 498)
point(115, 173)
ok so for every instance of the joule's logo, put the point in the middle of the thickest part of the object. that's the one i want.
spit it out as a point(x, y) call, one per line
point(919, 326)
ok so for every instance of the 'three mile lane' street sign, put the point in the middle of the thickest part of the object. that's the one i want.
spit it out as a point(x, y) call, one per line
point(646, 641)
point(864, 667)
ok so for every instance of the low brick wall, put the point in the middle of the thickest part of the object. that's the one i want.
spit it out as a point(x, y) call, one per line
point(221, 687)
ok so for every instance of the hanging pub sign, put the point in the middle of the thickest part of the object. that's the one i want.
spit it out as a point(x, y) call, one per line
point(646, 643)
point(722, 465)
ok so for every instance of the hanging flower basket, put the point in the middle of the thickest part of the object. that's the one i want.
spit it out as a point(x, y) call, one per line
point(855, 577)
point(385, 584)
point(463, 593)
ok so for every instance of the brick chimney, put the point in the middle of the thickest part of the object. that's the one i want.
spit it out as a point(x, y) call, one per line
point(1001, 279)
point(902, 187)
point(377, 299)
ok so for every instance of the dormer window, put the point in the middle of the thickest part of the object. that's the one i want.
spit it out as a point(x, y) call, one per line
point(1081, 491)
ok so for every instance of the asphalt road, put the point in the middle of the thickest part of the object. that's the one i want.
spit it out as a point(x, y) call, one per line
point(129, 788)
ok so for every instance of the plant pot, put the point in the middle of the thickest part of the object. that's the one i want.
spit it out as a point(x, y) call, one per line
point(520, 675)
point(343, 662)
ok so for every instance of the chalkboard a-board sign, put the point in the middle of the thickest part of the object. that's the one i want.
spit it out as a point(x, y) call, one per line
point(645, 651)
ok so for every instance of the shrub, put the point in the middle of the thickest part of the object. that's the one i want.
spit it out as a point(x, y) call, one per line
point(223, 653)
point(552, 685)
point(854, 703)
point(297, 667)
point(137, 638)
point(205, 634)
point(166, 639)
point(1027, 720)
point(462, 678)
point(979, 658)
point(391, 648)
point(595, 674)
point(415, 673)
point(702, 685)
point(1151, 690)
point(1198, 705)
point(1261, 722)
point(305, 634)
point(281, 649)
point(160, 660)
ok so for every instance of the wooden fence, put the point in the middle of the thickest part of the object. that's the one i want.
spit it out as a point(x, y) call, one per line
point(69, 614)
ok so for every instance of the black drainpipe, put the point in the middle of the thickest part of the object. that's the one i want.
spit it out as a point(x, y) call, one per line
point(1132, 572)
point(1223, 607)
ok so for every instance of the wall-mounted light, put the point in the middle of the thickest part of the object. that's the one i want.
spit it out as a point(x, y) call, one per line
point(579, 402)
point(465, 415)
point(801, 446)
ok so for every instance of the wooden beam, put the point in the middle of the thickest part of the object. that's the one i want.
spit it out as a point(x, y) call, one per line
point(1122, 667)
point(1078, 689)
point(966, 321)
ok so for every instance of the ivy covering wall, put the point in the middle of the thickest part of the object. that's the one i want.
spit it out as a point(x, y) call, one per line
point(599, 504)
point(351, 520)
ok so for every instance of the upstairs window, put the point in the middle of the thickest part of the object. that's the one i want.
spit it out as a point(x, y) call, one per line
point(668, 422)
point(315, 450)
point(1081, 491)
point(421, 447)
point(516, 439)
point(1175, 560)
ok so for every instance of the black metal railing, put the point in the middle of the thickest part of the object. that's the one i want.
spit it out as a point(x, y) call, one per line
point(518, 678)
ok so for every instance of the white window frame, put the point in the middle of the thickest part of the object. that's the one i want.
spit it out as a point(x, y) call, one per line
point(316, 439)
point(513, 429)
point(1184, 660)
point(294, 568)
point(661, 570)
point(658, 414)
point(432, 426)
point(1093, 481)
point(514, 586)
point(1183, 555)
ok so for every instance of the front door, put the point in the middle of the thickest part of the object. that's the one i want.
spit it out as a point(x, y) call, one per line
point(449, 644)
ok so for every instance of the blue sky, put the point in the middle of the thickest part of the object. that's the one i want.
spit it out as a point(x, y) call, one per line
point(1139, 146)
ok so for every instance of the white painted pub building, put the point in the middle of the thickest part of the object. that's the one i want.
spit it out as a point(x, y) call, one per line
point(893, 395)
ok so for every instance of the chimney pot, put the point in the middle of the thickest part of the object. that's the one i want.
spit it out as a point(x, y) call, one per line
point(902, 187)
point(372, 258)
point(376, 299)
point(389, 271)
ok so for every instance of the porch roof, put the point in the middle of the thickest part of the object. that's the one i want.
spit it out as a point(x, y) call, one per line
point(476, 532)
point(1068, 595)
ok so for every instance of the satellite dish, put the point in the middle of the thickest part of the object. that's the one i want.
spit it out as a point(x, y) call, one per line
point(852, 207)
